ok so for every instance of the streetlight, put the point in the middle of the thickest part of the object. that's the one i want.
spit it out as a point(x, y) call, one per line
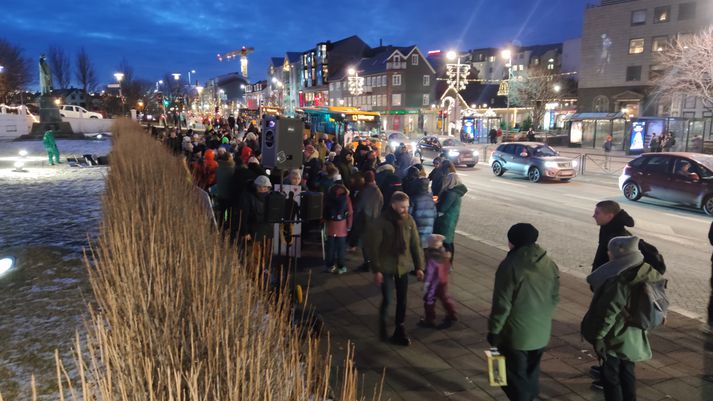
point(355, 82)
point(189, 76)
point(557, 88)
point(120, 77)
point(199, 89)
point(456, 78)
point(506, 54)
point(176, 76)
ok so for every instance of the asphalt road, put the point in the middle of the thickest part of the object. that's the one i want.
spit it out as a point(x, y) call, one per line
point(562, 212)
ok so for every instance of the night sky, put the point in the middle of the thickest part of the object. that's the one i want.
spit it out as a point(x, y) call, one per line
point(157, 36)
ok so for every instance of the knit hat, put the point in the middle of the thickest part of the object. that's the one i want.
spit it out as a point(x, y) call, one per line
point(435, 241)
point(522, 234)
point(252, 160)
point(263, 181)
point(622, 246)
point(225, 140)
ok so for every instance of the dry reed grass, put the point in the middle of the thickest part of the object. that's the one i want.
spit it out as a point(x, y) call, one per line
point(178, 316)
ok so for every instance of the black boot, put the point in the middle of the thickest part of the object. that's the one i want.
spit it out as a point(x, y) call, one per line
point(382, 332)
point(400, 337)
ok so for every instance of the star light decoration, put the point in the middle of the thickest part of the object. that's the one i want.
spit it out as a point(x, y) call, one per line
point(355, 83)
point(457, 76)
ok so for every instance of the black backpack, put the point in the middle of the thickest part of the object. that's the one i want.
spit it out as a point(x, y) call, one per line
point(336, 209)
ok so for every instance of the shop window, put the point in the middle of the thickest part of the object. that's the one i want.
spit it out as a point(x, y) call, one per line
point(396, 99)
point(686, 11)
point(638, 17)
point(426, 80)
point(396, 80)
point(636, 46)
point(633, 73)
point(659, 43)
point(426, 100)
point(662, 14)
point(414, 59)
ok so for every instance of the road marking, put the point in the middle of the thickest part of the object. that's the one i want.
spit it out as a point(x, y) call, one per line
point(678, 216)
point(508, 183)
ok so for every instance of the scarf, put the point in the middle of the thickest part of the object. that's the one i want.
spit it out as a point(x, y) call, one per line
point(398, 246)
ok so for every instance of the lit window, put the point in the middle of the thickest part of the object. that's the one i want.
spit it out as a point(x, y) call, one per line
point(414, 59)
point(636, 46)
point(396, 99)
point(426, 101)
point(426, 80)
point(638, 17)
point(536, 61)
point(396, 80)
point(491, 59)
point(659, 43)
point(662, 14)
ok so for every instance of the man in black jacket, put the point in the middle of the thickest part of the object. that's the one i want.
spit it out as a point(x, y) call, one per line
point(612, 221)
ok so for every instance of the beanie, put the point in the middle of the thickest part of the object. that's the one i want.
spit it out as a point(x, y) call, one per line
point(622, 246)
point(253, 160)
point(435, 241)
point(263, 181)
point(522, 234)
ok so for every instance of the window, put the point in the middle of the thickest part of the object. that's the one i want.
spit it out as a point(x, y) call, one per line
point(636, 46)
point(426, 100)
point(638, 17)
point(383, 80)
point(686, 10)
point(397, 59)
point(633, 73)
point(551, 64)
point(689, 102)
point(396, 80)
point(658, 164)
point(426, 80)
point(491, 59)
point(396, 99)
point(655, 72)
point(659, 43)
point(414, 59)
point(662, 14)
point(536, 61)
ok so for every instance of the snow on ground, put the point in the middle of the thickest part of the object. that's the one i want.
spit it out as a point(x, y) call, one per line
point(46, 214)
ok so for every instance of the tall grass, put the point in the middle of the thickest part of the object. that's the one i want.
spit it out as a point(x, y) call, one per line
point(178, 313)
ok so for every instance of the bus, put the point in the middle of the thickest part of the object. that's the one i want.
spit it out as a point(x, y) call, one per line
point(342, 124)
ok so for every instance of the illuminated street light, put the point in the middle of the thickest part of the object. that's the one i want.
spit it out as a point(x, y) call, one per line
point(557, 88)
point(176, 76)
point(6, 264)
point(119, 76)
point(451, 55)
point(57, 101)
point(189, 76)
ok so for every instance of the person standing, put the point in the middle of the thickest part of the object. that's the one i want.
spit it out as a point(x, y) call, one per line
point(368, 206)
point(255, 230)
point(448, 208)
point(493, 135)
point(525, 294)
point(612, 221)
point(51, 147)
point(423, 209)
point(338, 221)
point(435, 283)
point(394, 249)
point(530, 135)
point(617, 343)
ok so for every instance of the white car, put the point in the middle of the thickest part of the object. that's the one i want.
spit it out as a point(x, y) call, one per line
point(77, 112)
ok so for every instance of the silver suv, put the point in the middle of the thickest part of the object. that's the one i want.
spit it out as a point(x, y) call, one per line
point(534, 160)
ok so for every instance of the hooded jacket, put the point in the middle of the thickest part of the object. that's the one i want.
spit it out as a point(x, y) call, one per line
point(223, 180)
point(525, 294)
point(387, 181)
point(423, 210)
point(615, 228)
point(367, 209)
point(379, 245)
point(448, 208)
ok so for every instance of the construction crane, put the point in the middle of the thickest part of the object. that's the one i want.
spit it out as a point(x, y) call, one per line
point(243, 53)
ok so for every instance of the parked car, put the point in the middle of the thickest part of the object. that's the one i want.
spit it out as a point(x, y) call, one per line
point(678, 177)
point(534, 160)
point(71, 111)
point(395, 138)
point(431, 147)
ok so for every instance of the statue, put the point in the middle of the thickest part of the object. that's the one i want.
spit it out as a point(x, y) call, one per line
point(45, 76)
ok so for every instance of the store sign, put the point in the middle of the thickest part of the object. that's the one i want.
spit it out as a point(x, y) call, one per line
point(361, 117)
point(638, 132)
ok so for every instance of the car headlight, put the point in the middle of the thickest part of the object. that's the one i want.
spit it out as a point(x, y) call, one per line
point(413, 145)
point(453, 153)
point(475, 153)
point(550, 164)
point(575, 163)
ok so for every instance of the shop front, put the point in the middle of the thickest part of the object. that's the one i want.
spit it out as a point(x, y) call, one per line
point(407, 121)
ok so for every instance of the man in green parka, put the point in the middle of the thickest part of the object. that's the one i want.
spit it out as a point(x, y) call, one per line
point(525, 294)
point(51, 147)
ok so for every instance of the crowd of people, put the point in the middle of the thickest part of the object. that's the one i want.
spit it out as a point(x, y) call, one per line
point(404, 220)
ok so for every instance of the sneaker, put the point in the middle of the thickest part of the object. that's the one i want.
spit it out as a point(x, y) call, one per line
point(332, 269)
point(598, 385)
point(342, 270)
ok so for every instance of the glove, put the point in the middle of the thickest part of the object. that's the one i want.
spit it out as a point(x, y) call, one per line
point(601, 349)
point(493, 340)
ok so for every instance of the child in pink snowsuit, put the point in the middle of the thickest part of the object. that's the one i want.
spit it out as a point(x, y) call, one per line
point(436, 283)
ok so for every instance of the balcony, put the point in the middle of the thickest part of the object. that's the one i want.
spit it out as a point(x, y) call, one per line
point(396, 65)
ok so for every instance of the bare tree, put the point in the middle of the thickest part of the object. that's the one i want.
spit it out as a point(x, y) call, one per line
point(59, 64)
point(686, 67)
point(16, 69)
point(85, 74)
point(535, 87)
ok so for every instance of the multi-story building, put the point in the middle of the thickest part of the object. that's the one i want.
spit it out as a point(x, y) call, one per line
point(398, 82)
point(620, 40)
point(254, 94)
point(490, 67)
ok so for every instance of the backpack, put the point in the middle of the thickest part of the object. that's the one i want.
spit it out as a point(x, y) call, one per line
point(336, 208)
point(648, 305)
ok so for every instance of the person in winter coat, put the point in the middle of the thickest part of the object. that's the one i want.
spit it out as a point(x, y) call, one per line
point(255, 228)
point(222, 192)
point(388, 182)
point(312, 168)
point(619, 344)
point(612, 221)
point(411, 182)
point(204, 171)
point(394, 249)
point(525, 294)
point(493, 135)
point(448, 207)
point(438, 174)
point(423, 209)
point(338, 217)
point(367, 208)
point(404, 160)
point(345, 164)
point(322, 150)
point(436, 283)
point(51, 147)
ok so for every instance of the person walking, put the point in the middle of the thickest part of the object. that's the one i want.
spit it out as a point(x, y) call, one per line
point(525, 295)
point(607, 146)
point(435, 283)
point(617, 343)
point(448, 207)
point(51, 147)
point(394, 249)
point(338, 215)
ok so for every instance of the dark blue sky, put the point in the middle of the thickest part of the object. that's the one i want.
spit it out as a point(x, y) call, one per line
point(159, 36)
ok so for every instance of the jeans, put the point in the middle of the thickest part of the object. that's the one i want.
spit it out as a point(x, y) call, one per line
point(392, 281)
point(336, 249)
point(619, 379)
point(523, 372)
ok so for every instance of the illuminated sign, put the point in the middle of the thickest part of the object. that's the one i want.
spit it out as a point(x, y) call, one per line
point(575, 132)
point(638, 132)
point(361, 117)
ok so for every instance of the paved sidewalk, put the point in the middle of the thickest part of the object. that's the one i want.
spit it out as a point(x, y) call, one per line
point(450, 364)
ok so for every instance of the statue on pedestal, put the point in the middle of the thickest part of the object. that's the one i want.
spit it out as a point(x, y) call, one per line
point(50, 118)
point(45, 77)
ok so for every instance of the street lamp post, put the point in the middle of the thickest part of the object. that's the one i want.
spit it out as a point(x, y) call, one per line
point(507, 55)
point(120, 77)
point(189, 76)
point(457, 78)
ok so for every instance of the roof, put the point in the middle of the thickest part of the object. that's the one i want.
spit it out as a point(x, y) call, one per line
point(375, 60)
point(293, 57)
point(277, 61)
point(476, 93)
